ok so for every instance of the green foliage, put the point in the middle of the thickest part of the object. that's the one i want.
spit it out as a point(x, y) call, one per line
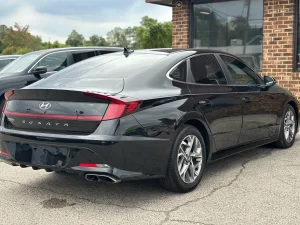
point(120, 37)
point(96, 40)
point(18, 39)
point(75, 39)
point(153, 34)
point(150, 34)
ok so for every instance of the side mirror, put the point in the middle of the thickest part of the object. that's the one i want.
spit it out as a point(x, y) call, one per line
point(269, 81)
point(39, 70)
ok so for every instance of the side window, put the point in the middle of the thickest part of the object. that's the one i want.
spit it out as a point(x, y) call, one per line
point(55, 62)
point(179, 73)
point(82, 56)
point(240, 73)
point(207, 70)
point(4, 62)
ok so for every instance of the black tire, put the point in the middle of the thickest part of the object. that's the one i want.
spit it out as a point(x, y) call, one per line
point(282, 141)
point(173, 181)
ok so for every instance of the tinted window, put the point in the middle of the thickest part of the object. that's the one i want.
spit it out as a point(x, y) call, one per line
point(21, 63)
point(82, 56)
point(55, 62)
point(4, 62)
point(179, 73)
point(235, 27)
point(240, 73)
point(206, 70)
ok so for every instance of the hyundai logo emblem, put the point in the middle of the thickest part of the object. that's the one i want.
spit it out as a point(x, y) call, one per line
point(44, 105)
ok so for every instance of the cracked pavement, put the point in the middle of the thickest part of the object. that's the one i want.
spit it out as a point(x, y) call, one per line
point(260, 186)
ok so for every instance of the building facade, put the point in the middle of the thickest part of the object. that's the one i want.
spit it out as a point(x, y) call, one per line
point(264, 33)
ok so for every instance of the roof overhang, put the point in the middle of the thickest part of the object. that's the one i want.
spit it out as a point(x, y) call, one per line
point(161, 2)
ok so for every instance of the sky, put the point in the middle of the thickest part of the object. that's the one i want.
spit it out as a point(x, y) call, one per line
point(55, 19)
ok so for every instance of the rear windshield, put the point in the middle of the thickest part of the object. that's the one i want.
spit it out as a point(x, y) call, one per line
point(115, 65)
point(21, 63)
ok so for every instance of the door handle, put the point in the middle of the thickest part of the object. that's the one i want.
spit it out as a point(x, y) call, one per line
point(206, 103)
point(246, 100)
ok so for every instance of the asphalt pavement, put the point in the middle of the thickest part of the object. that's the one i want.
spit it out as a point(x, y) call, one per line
point(260, 186)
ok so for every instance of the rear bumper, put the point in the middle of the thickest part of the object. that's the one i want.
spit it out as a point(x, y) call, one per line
point(125, 157)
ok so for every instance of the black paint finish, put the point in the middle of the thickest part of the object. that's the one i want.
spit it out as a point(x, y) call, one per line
point(231, 118)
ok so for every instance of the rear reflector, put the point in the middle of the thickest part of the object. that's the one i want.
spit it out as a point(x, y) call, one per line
point(93, 165)
point(87, 165)
point(117, 108)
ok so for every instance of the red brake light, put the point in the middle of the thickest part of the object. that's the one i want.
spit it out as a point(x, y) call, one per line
point(117, 108)
point(8, 94)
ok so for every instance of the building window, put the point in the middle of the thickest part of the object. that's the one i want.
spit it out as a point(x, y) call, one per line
point(234, 26)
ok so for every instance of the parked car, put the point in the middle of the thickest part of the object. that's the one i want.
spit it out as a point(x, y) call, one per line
point(6, 59)
point(146, 114)
point(40, 64)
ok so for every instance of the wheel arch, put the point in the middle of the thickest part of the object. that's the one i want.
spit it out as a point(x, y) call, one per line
point(198, 121)
point(295, 106)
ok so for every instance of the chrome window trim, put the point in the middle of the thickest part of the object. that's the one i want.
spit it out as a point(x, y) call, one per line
point(192, 56)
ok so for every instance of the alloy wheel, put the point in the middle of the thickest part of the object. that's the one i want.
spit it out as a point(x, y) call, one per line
point(189, 159)
point(289, 126)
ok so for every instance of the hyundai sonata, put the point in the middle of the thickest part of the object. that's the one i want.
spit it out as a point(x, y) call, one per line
point(161, 113)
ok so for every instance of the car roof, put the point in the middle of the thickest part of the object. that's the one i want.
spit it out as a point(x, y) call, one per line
point(78, 49)
point(9, 56)
point(168, 51)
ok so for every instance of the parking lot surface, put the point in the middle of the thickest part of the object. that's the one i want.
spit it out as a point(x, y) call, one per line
point(260, 186)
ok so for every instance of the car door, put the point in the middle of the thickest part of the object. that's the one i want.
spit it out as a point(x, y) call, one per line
point(54, 62)
point(259, 114)
point(215, 99)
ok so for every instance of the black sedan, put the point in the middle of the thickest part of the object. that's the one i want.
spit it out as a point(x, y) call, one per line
point(162, 113)
point(37, 65)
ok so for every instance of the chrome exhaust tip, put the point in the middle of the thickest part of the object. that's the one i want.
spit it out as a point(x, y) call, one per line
point(102, 178)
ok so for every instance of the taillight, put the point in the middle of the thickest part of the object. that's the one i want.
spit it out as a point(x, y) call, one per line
point(8, 94)
point(117, 108)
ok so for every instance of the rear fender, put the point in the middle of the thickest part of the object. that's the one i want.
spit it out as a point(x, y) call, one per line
point(186, 118)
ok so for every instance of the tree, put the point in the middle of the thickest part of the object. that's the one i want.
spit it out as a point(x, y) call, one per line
point(75, 39)
point(18, 39)
point(154, 34)
point(122, 37)
point(3, 32)
point(96, 40)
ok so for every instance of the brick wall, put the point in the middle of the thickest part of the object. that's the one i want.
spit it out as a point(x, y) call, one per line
point(181, 26)
point(278, 44)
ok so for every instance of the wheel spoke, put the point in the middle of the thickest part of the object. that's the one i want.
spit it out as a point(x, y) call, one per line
point(180, 162)
point(183, 170)
point(181, 151)
point(192, 171)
